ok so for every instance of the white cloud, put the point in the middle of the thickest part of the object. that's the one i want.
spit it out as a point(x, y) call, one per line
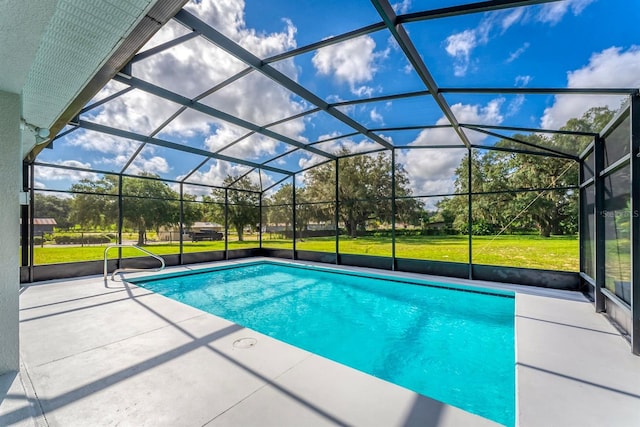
point(176, 68)
point(115, 152)
point(511, 18)
point(401, 7)
point(102, 143)
point(523, 81)
point(553, 13)
point(334, 146)
point(155, 164)
point(362, 146)
point(295, 128)
point(189, 124)
point(253, 148)
point(190, 69)
point(363, 91)
point(227, 16)
point(460, 46)
point(309, 160)
point(489, 114)
point(168, 32)
point(514, 105)
point(432, 171)
point(58, 174)
point(478, 114)
point(376, 117)
point(109, 89)
point(131, 112)
point(353, 62)
point(257, 99)
point(611, 68)
point(350, 144)
point(217, 172)
point(516, 54)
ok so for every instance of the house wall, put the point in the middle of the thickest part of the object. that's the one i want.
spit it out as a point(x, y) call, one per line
point(10, 170)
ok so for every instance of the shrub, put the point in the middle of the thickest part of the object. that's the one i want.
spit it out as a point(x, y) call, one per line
point(79, 239)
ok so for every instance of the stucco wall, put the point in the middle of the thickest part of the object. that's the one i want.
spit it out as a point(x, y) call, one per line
point(10, 167)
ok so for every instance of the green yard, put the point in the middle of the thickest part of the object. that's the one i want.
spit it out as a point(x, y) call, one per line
point(554, 253)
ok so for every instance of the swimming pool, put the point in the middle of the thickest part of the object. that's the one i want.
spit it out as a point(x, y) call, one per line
point(452, 343)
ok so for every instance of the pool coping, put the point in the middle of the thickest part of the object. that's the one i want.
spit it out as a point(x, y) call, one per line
point(556, 382)
point(334, 269)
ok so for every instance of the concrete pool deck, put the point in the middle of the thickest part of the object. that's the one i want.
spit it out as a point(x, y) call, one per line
point(121, 355)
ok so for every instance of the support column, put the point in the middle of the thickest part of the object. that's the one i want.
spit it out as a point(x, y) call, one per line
point(25, 231)
point(598, 153)
point(393, 209)
point(260, 223)
point(120, 220)
point(336, 213)
point(181, 228)
point(470, 210)
point(294, 217)
point(10, 184)
point(635, 224)
point(32, 200)
point(226, 223)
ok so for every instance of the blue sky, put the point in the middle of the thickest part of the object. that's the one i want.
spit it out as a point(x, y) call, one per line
point(572, 43)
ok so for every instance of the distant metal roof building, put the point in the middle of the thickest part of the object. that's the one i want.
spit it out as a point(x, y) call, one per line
point(44, 221)
point(203, 224)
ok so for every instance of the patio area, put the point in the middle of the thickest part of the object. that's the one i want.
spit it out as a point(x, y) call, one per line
point(121, 355)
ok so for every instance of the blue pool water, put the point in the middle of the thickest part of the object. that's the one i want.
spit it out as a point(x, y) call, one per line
point(452, 343)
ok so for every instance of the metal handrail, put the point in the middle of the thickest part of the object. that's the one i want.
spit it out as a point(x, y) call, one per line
point(117, 270)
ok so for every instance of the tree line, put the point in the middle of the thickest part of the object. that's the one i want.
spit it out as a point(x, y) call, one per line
point(516, 190)
point(515, 194)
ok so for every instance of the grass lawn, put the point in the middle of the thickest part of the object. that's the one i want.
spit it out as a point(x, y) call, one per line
point(554, 253)
point(54, 254)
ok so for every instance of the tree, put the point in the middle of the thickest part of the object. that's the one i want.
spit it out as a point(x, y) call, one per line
point(280, 209)
point(58, 208)
point(412, 212)
point(307, 211)
point(280, 206)
point(95, 203)
point(192, 211)
point(497, 172)
point(148, 203)
point(243, 202)
point(364, 189)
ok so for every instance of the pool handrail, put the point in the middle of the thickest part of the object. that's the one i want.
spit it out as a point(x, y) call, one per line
point(118, 270)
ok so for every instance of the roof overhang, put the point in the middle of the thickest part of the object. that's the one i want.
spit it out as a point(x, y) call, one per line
point(58, 54)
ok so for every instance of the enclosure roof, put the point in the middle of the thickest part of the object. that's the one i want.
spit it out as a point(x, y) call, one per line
point(271, 88)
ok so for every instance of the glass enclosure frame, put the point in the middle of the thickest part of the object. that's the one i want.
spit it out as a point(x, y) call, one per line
point(603, 211)
point(596, 172)
point(391, 202)
point(609, 223)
